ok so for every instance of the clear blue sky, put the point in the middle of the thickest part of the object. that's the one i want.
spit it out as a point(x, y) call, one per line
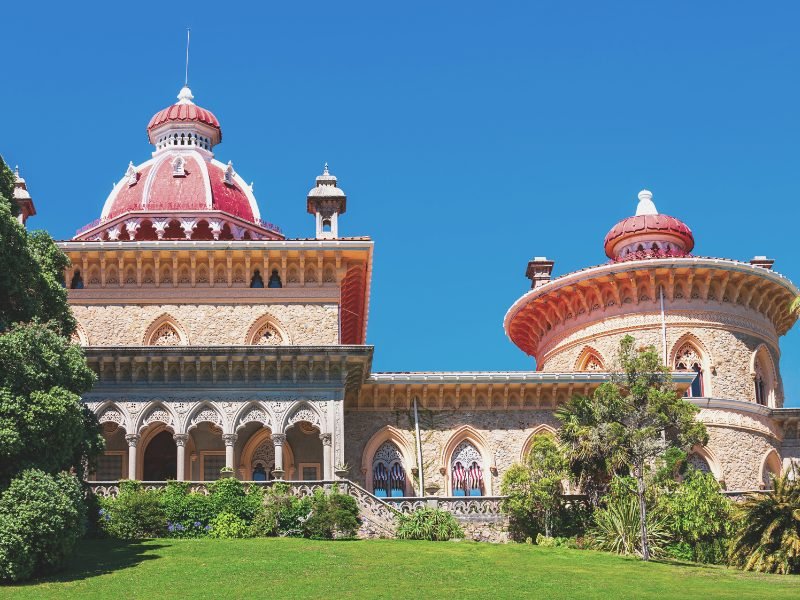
point(469, 137)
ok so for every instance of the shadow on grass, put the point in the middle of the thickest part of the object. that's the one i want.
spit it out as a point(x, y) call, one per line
point(93, 558)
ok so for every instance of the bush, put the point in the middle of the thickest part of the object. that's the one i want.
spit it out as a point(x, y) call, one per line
point(431, 524)
point(188, 514)
point(617, 528)
point(332, 515)
point(228, 495)
point(282, 513)
point(134, 514)
point(228, 526)
point(555, 542)
point(41, 518)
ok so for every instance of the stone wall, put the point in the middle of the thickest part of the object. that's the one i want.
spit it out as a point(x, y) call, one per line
point(500, 436)
point(727, 351)
point(207, 324)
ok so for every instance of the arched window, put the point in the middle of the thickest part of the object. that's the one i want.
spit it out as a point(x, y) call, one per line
point(256, 281)
point(688, 359)
point(275, 280)
point(763, 377)
point(466, 471)
point(77, 281)
point(165, 336)
point(388, 474)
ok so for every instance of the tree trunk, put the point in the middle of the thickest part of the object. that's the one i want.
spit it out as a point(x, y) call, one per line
point(638, 472)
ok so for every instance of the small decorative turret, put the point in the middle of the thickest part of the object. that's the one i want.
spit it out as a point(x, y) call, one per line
point(326, 202)
point(539, 271)
point(23, 198)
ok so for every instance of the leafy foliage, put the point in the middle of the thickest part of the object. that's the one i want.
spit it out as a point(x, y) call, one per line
point(134, 514)
point(228, 526)
point(43, 423)
point(629, 421)
point(188, 514)
point(42, 516)
point(331, 515)
point(534, 490)
point(282, 514)
point(697, 517)
point(229, 495)
point(617, 528)
point(768, 537)
point(432, 524)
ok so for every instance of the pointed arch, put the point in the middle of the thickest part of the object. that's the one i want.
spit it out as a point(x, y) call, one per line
point(542, 429)
point(267, 331)
point(690, 354)
point(469, 434)
point(111, 412)
point(379, 438)
point(590, 359)
point(770, 467)
point(707, 454)
point(165, 330)
point(303, 411)
point(764, 375)
point(157, 412)
point(79, 336)
point(253, 412)
point(205, 412)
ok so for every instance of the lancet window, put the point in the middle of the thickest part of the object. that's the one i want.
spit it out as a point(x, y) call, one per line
point(165, 335)
point(388, 474)
point(466, 471)
point(688, 359)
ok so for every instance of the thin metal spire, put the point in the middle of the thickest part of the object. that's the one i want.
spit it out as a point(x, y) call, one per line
point(186, 79)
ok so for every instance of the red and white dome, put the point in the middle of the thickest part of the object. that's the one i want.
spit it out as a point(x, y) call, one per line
point(182, 192)
point(648, 234)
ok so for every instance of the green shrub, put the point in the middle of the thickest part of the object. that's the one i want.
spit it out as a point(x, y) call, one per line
point(134, 513)
point(282, 513)
point(331, 515)
point(188, 514)
point(41, 518)
point(229, 495)
point(431, 524)
point(555, 542)
point(617, 528)
point(697, 518)
point(227, 526)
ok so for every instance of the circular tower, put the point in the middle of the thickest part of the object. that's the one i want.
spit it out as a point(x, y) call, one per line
point(719, 318)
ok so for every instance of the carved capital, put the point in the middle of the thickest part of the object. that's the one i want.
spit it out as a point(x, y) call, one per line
point(229, 438)
point(132, 439)
point(278, 439)
point(180, 439)
point(325, 438)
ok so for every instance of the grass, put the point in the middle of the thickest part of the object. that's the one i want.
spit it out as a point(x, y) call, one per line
point(294, 568)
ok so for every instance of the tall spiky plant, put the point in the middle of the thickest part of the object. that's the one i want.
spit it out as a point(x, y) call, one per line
point(768, 539)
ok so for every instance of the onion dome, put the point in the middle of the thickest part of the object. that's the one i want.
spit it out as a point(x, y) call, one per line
point(182, 192)
point(22, 198)
point(648, 234)
point(326, 201)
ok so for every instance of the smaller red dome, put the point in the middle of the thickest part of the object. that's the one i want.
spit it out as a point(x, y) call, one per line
point(185, 112)
point(639, 226)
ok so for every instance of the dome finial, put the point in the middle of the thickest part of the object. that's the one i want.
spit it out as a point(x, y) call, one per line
point(185, 95)
point(325, 170)
point(646, 205)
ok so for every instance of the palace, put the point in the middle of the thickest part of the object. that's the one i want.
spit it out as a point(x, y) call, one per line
point(222, 345)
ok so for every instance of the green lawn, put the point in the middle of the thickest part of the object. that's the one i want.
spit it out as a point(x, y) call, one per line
point(293, 568)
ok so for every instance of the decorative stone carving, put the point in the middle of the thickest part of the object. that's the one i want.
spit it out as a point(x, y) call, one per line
point(112, 415)
point(229, 438)
point(181, 439)
point(304, 414)
point(255, 414)
point(132, 439)
point(278, 439)
point(165, 335)
point(466, 453)
point(325, 438)
point(387, 454)
point(207, 415)
point(159, 415)
point(268, 335)
point(264, 454)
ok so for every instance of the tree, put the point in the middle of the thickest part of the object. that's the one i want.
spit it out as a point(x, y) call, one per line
point(768, 538)
point(534, 490)
point(630, 421)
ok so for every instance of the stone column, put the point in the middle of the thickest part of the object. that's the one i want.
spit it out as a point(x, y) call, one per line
point(133, 440)
point(230, 440)
point(180, 443)
point(326, 456)
point(278, 439)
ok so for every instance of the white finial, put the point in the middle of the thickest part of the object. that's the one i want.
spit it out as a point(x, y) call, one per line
point(646, 205)
point(185, 96)
point(16, 171)
point(325, 170)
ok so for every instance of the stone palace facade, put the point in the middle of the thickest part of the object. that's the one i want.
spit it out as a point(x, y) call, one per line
point(219, 342)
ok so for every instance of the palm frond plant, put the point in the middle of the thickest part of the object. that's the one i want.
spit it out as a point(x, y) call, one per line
point(768, 538)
